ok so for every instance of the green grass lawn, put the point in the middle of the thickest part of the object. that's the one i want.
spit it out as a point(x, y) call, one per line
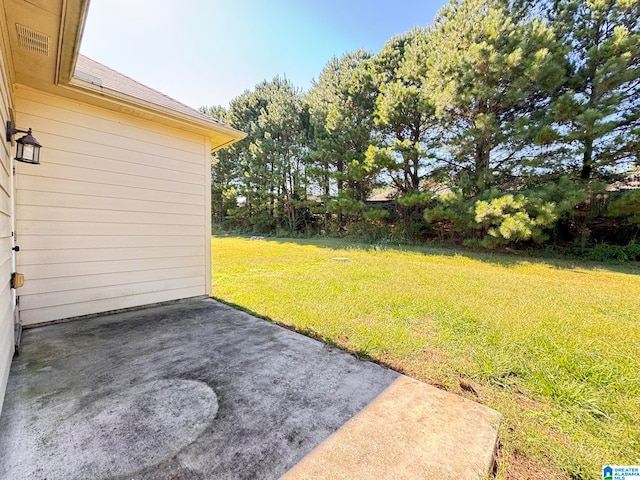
point(553, 345)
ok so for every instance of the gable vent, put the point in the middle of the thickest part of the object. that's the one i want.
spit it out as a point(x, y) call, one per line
point(33, 41)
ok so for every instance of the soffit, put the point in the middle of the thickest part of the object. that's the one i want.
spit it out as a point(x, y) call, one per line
point(44, 39)
point(34, 32)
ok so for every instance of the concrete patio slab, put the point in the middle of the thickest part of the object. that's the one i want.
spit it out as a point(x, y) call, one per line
point(411, 430)
point(198, 390)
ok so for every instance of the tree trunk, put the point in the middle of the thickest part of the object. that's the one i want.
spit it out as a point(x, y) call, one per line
point(481, 166)
point(340, 181)
point(415, 175)
point(414, 171)
point(407, 184)
point(587, 160)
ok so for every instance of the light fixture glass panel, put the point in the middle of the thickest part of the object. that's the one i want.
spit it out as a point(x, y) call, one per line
point(27, 152)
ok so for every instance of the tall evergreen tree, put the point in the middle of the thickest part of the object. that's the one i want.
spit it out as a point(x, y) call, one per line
point(489, 74)
point(404, 114)
point(341, 104)
point(224, 172)
point(598, 112)
point(271, 161)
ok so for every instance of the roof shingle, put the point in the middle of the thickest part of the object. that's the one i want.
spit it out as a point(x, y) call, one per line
point(103, 76)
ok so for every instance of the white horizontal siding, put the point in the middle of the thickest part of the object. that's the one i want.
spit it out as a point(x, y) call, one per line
point(62, 214)
point(77, 308)
point(125, 128)
point(123, 267)
point(6, 298)
point(73, 200)
point(48, 172)
point(45, 227)
point(116, 214)
point(59, 242)
point(43, 286)
point(100, 188)
point(50, 259)
point(121, 289)
point(85, 155)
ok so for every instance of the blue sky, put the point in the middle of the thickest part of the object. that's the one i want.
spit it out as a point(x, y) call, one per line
point(206, 52)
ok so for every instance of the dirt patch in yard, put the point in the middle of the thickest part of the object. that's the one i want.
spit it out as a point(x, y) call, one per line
point(519, 467)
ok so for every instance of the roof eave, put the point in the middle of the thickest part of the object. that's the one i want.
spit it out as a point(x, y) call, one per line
point(72, 22)
point(221, 135)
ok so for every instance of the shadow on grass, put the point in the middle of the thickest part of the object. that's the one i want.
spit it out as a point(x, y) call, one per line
point(503, 258)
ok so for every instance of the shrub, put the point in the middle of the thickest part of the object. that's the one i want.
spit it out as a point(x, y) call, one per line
point(604, 252)
point(373, 225)
point(262, 222)
point(453, 209)
point(513, 218)
point(500, 218)
point(347, 206)
point(627, 205)
point(416, 199)
point(632, 251)
point(496, 218)
point(607, 253)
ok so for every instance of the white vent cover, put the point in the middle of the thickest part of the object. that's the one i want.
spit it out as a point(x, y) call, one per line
point(33, 41)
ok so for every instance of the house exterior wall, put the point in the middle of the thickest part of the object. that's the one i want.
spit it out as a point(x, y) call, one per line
point(117, 214)
point(6, 300)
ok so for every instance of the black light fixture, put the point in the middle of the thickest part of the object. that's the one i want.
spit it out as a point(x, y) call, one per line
point(27, 147)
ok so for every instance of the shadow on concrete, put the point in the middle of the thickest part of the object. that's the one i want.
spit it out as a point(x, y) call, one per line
point(198, 390)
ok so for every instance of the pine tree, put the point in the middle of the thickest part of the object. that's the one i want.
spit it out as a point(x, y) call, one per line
point(341, 104)
point(271, 161)
point(489, 75)
point(597, 114)
point(404, 115)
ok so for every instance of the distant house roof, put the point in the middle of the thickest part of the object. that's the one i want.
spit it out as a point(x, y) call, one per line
point(102, 76)
point(631, 182)
point(393, 193)
point(384, 196)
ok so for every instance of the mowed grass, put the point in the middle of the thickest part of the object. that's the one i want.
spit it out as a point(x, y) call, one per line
point(554, 346)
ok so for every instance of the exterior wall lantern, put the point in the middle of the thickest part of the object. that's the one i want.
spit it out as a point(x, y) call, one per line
point(27, 147)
